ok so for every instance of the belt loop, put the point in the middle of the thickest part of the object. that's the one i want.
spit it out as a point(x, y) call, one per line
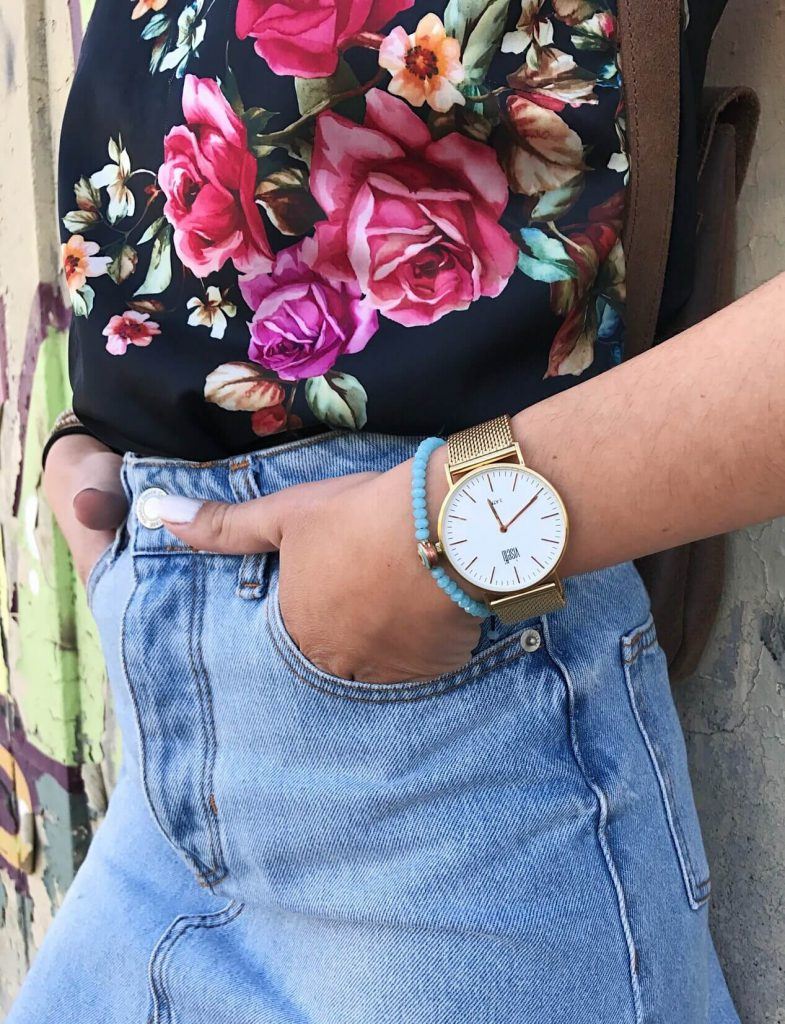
point(252, 578)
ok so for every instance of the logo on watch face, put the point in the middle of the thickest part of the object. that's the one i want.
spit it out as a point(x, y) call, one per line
point(503, 528)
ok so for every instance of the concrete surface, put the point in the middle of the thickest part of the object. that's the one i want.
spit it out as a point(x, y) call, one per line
point(734, 708)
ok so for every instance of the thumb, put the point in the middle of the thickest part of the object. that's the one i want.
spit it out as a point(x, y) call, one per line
point(242, 529)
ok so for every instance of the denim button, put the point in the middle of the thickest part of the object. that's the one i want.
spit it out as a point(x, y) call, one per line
point(530, 640)
point(145, 508)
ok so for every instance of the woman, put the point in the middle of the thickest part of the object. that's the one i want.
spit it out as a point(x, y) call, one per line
point(343, 798)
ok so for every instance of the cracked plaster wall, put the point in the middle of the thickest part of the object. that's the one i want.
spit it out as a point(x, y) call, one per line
point(734, 708)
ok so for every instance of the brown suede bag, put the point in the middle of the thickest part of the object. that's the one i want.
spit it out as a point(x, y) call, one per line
point(684, 583)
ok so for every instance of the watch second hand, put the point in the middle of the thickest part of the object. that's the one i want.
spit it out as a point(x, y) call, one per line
point(517, 514)
point(502, 527)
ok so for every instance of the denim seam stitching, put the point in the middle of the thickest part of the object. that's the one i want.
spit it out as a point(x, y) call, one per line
point(161, 954)
point(138, 717)
point(210, 877)
point(638, 641)
point(225, 463)
point(218, 869)
point(399, 692)
point(97, 573)
point(698, 893)
point(602, 818)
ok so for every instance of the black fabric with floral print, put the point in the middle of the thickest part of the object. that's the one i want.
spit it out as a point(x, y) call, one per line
point(369, 214)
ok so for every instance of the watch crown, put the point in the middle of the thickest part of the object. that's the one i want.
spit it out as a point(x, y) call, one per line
point(429, 553)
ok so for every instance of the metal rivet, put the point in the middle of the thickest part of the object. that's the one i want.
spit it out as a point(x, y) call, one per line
point(145, 508)
point(531, 640)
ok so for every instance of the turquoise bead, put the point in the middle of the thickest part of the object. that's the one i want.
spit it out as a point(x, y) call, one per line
point(422, 528)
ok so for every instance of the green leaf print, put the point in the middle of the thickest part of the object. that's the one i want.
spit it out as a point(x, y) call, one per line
point(317, 93)
point(555, 203)
point(159, 273)
point(549, 260)
point(337, 399)
point(478, 26)
point(82, 301)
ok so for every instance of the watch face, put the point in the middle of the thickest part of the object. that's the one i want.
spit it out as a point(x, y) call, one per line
point(503, 528)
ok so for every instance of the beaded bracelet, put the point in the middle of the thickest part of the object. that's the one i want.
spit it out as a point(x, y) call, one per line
point(422, 531)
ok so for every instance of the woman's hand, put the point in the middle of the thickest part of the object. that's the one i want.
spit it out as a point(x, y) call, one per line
point(353, 594)
point(82, 486)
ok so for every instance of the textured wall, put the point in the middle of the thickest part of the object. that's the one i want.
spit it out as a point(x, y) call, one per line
point(734, 709)
point(51, 681)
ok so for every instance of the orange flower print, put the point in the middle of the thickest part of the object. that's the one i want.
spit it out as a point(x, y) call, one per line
point(425, 66)
point(143, 6)
point(80, 262)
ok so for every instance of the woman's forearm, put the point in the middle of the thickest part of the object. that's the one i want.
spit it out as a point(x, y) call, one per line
point(683, 442)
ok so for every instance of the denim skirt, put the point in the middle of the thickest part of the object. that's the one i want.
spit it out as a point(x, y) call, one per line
point(514, 842)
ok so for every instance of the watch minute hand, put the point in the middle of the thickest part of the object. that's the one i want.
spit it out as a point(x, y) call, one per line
point(520, 513)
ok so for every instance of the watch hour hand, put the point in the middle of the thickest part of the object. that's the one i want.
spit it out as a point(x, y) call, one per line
point(491, 506)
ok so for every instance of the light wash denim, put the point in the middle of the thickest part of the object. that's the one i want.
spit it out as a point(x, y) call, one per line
point(512, 843)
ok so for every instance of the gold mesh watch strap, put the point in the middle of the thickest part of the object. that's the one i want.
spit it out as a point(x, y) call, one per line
point(539, 600)
point(482, 442)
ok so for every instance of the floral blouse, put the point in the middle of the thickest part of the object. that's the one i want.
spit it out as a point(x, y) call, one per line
point(288, 215)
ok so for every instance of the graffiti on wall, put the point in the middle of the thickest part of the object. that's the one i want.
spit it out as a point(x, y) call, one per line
point(55, 766)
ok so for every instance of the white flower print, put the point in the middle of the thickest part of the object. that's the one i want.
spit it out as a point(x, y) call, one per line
point(211, 312)
point(114, 177)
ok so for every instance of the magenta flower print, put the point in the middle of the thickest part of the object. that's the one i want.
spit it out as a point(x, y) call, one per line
point(304, 37)
point(413, 220)
point(209, 176)
point(302, 321)
point(132, 328)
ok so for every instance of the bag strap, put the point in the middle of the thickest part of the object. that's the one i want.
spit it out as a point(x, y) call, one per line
point(735, 105)
point(650, 43)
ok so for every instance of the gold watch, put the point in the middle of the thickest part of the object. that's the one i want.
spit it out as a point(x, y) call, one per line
point(502, 527)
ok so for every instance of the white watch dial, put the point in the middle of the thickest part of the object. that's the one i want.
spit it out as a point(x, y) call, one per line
point(503, 528)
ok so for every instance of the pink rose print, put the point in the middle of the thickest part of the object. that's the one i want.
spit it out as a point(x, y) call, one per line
point(303, 37)
point(303, 322)
point(209, 177)
point(131, 328)
point(413, 220)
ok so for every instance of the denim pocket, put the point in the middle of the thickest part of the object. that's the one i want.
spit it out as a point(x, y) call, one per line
point(646, 673)
point(102, 565)
point(498, 653)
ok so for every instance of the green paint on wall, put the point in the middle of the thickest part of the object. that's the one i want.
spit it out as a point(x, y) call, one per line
point(59, 677)
point(66, 836)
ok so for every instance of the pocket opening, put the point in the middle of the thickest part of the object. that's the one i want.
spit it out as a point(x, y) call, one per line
point(648, 686)
point(479, 665)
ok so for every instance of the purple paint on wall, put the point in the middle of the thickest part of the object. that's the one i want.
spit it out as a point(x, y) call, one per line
point(3, 354)
point(34, 764)
point(75, 14)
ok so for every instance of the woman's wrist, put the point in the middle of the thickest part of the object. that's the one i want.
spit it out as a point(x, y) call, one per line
point(437, 486)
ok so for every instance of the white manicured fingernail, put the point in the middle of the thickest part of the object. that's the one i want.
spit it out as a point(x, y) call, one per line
point(173, 508)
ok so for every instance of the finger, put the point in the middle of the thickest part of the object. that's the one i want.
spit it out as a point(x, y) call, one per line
point(248, 527)
point(242, 529)
point(100, 509)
